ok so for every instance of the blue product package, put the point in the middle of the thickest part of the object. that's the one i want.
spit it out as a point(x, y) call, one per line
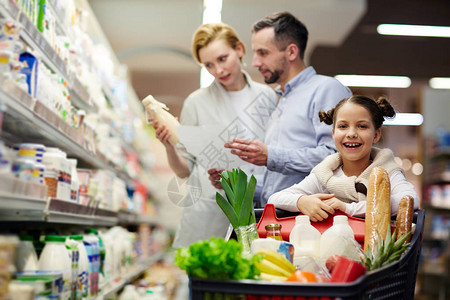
point(284, 248)
point(30, 63)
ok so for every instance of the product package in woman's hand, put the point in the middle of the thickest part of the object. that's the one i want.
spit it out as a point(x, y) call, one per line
point(155, 110)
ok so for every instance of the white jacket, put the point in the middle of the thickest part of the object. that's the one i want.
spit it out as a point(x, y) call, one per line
point(201, 216)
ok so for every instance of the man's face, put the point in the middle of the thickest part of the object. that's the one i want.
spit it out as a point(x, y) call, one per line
point(269, 60)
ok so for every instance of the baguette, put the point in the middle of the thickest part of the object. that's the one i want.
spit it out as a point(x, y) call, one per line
point(404, 217)
point(378, 207)
point(155, 110)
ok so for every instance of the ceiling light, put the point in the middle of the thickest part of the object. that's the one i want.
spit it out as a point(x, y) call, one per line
point(414, 30)
point(374, 81)
point(212, 13)
point(439, 82)
point(407, 119)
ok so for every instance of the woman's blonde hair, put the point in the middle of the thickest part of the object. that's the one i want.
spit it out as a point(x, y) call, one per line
point(208, 33)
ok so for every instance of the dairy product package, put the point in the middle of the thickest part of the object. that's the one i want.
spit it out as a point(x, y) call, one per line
point(155, 110)
point(284, 248)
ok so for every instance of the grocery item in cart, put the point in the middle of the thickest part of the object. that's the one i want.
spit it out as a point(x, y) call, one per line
point(378, 207)
point(404, 216)
point(306, 240)
point(155, 110)
point(339, 239)
point(394, 281)
point(284, 248)
point(273, 231)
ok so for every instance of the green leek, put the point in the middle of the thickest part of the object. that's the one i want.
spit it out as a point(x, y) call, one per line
point(238, 204)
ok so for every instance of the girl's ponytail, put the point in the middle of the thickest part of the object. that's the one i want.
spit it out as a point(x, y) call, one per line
point(385, 107)
point(326, 117)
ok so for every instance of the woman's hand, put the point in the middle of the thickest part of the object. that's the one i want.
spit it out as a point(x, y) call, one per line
point(214, 176)
point(162, 134)
point(315, 207)
point(252, 151)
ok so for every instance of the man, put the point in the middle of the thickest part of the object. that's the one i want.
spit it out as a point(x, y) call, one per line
point(295, 140)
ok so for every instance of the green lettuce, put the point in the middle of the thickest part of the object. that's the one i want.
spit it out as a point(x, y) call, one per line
point(217, 259)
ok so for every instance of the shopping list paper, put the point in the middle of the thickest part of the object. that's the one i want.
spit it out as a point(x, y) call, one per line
point(206, 143)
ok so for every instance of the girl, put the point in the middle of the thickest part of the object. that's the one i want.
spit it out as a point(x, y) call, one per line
point(233, 96)
point(340, 180)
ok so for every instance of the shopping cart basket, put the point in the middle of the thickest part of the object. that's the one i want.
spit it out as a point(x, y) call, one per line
point(394, 281)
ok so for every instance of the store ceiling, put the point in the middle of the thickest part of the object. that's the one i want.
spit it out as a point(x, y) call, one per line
point(153, 37)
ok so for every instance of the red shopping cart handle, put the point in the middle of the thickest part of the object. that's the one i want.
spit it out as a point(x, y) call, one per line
point(269, 216)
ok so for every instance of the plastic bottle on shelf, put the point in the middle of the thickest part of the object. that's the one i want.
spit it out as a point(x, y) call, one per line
point(108, 262)
point(55, 160)
point(26, 257)
point(74, 190)
point(55, 257)
point(338, 239)
point(83, 268)
point(306, 240)
point(52, 159)
point(91, 243)
point(74, 254)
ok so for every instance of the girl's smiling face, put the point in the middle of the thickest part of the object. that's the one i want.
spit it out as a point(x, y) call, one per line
point(354, 134)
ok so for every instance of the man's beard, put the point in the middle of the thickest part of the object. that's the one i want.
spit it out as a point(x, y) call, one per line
point(274, 77)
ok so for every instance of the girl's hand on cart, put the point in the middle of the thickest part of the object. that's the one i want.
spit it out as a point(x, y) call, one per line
point(315, 207)
point(336, 204)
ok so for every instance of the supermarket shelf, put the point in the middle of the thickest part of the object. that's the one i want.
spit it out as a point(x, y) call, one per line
point(21, 200)
point(34, 122)
point(139, 268)
point(129, 218)
point(16, 206)
point(442, 152)
point(66, 212)
point(33, 37)
point(431, 238)
point(21, 208)
point(434, 270)
point(437, 208)
point(68, 218)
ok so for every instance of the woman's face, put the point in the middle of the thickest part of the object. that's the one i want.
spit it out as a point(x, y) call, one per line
point(223, 62)
point(354, 133)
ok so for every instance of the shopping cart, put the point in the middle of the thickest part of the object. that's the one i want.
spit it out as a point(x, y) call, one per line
point(394, 281)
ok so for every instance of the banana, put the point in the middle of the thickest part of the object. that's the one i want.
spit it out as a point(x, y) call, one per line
point(272, 277)
point(277, 259)
point(269, 267)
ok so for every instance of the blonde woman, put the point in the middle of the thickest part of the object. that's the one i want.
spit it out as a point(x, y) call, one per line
point(232, 99)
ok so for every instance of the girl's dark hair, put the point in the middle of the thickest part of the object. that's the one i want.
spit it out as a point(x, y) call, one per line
point(378, 109)
point(287, 28)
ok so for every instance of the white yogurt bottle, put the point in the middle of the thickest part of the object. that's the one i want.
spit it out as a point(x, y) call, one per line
point(338, 239)
point(305, 238)
point(55, 257)
point(26, 258)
